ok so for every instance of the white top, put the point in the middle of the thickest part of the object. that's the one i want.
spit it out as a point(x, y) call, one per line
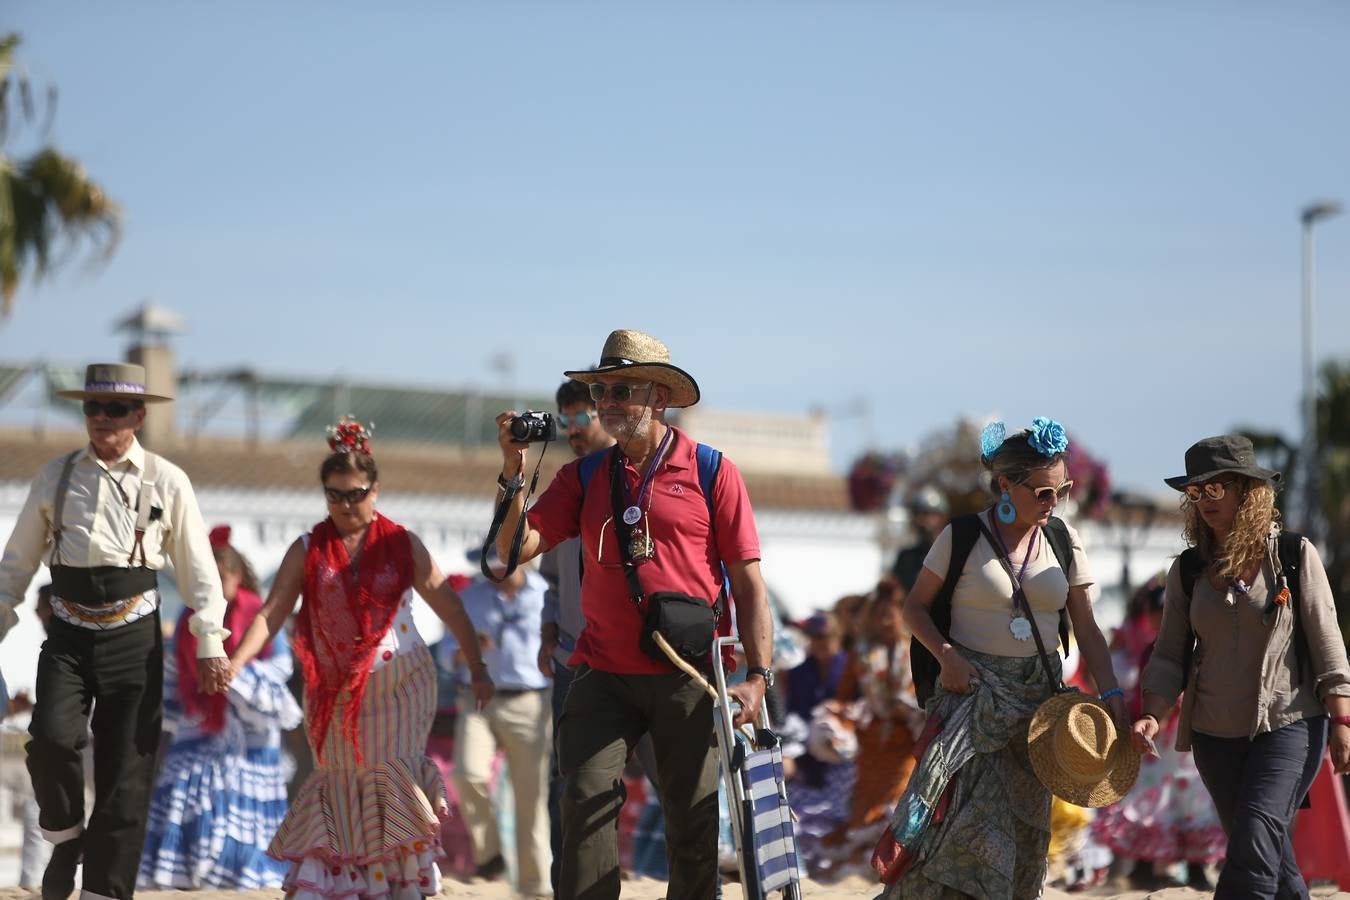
point(982, 605)
point(99, 529)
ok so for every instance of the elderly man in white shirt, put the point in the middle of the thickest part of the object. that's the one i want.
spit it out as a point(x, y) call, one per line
point(106, 518)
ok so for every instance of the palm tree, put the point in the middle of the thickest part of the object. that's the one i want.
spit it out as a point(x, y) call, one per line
point(46, 199)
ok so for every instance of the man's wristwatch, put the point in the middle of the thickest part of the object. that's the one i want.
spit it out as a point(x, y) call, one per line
point(766, 674)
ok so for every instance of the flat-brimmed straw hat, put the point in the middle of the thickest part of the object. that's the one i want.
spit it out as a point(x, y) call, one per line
point(1077, 754)
point(635, 354)
point(1212, 457)
point(104, 381)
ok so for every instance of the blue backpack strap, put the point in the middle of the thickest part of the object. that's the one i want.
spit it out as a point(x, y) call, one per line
point(589, 463)
point(709, 464)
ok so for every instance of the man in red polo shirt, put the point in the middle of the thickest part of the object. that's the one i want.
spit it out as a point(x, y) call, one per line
point(619, 692)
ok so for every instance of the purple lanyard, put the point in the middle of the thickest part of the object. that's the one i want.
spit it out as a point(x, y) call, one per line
point(1017, 580)
point(646, 484)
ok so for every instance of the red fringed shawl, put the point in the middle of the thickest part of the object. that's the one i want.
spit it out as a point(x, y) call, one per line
point(211, 707)
point(345, 616)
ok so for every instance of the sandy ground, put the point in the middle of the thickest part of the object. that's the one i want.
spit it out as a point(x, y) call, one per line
point(655, 890)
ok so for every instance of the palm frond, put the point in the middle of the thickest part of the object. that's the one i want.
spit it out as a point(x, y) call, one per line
point(49, 199)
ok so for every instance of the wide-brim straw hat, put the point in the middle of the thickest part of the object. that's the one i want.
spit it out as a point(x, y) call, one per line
point(636, 354)
point(1227, 453)
point(1077, 754)
point(106, 381)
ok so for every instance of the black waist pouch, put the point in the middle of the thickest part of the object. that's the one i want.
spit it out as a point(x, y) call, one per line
point(687, 623)
point(101, 585)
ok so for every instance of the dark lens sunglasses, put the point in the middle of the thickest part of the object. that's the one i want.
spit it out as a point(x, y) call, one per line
point(113, 409)
point(580, 420)
point(349, 498)
point(621, 393)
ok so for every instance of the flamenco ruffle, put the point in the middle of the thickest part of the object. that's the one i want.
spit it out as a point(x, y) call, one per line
point(212, 816)
point(409, 874)
point(365, 832)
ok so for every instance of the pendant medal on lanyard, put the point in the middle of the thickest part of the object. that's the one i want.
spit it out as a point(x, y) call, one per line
point(1020, 626)
point(640, 545)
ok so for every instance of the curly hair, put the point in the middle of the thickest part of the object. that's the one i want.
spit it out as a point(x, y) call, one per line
point(1247, 539)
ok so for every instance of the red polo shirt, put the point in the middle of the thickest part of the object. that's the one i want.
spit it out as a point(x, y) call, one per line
point(687, 558)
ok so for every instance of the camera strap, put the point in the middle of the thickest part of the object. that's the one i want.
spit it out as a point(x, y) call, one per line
point(499, 516)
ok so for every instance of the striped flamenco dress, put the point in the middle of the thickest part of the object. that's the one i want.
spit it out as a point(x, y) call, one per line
point(365, 824)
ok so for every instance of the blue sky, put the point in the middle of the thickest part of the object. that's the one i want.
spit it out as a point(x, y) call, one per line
point(1083, 210)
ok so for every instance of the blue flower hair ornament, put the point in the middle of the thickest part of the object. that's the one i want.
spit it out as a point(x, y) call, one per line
point(991, 439)
point(1047, 437)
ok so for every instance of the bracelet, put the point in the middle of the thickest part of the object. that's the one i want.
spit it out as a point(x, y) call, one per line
point(1341, 720)
point(518, 482)
point(1114, 692)
point(1148, 716)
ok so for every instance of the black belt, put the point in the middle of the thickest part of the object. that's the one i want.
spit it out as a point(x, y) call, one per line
point(101, 585)
point(515, 692)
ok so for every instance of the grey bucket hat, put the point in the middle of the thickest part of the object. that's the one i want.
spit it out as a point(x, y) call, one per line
point(1216, 456)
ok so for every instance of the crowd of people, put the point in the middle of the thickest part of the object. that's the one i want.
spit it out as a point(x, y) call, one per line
point(934, 730)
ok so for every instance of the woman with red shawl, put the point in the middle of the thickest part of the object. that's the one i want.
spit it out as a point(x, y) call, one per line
point(365, 823)
point(221, 790)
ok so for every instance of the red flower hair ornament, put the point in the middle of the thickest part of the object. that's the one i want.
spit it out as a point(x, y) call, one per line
point(350, 436)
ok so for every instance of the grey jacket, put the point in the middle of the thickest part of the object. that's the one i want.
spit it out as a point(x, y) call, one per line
point(1244, 678)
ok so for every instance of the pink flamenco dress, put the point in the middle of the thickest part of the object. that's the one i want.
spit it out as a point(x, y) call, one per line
point(366, 822)
point(1168, 816)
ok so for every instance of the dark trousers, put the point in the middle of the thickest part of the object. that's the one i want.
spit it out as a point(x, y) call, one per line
point(1257, 785)
point(120, 673)
point(604, 715)
point(562, 681)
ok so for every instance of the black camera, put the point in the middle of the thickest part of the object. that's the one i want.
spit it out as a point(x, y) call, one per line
point(531, 427)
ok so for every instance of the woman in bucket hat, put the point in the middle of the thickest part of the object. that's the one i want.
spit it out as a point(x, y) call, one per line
point(1249, 633)
point(975, 818)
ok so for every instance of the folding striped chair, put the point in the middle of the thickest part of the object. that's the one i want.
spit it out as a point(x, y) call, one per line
point(761, 821)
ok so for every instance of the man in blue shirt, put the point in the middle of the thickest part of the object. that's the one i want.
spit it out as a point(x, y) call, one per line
point(518, 721)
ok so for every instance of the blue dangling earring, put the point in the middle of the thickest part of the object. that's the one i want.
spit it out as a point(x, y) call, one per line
point(1006, 512)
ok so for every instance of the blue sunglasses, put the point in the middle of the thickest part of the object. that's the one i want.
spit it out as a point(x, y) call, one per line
point(580, 420)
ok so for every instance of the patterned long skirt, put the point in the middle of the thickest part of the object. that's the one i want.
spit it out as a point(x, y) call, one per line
point(370, 830)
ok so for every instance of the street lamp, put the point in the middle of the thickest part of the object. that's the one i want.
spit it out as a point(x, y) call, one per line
point(1134, 515)
point(1310, 216)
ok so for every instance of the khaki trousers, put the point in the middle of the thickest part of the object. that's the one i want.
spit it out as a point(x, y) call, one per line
point(520, 724)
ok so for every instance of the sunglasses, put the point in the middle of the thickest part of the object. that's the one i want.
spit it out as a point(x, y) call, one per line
point(619, 392)
point(113, 409)
point(580, 420)
point(349, 498)
point(1214, 490)
point(1047, 493)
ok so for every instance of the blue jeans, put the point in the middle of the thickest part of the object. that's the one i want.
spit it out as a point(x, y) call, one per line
point(1257, 785)
point(562, 681)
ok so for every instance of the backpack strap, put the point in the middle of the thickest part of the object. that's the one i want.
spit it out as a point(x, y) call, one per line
point(588, 466)
point(1289, 551)
point(923, 666)
point(1057, 535)
point(59, 505)
point(143, 504)
point(709, 465)
point(1191, 568)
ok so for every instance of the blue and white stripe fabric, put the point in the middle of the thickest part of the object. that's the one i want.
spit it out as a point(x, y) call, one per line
point(769, 821)
point(220, 797)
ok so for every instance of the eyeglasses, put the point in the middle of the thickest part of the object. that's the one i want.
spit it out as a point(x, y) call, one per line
point(619, 392)
point(1046, 494)
point(113, 409)
point(1214, 490)
point(348, 498)
point(580, 420)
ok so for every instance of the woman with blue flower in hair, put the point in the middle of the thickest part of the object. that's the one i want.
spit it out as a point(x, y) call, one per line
point(975, 818)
